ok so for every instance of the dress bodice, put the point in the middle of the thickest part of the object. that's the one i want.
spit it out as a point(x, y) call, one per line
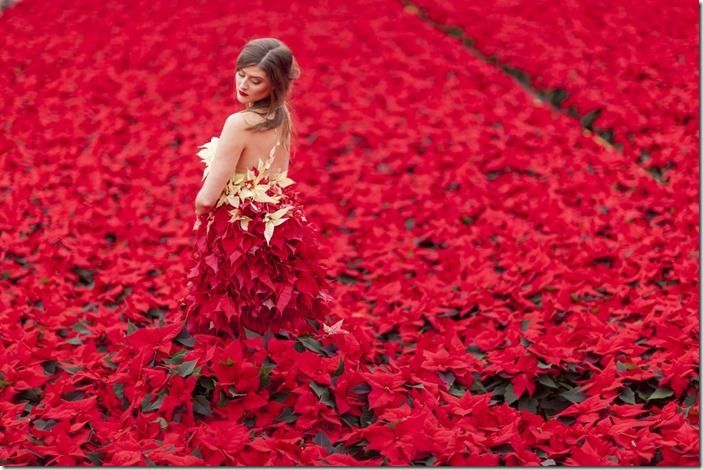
point(246, 191)
point(266, 164)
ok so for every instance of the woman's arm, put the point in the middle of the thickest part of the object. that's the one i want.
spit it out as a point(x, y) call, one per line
point(229, 149)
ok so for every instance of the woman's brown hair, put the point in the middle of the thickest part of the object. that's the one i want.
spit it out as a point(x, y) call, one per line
point(280, 66)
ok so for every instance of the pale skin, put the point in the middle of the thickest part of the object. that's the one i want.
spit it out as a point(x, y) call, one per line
point(238, 148)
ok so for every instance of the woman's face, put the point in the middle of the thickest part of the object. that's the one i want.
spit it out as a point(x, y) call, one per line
point(252, 84)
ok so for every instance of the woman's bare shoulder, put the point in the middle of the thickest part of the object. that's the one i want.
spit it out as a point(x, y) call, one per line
point(249, 117)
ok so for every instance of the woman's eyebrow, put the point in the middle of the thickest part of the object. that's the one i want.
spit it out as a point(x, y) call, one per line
point(252, 76)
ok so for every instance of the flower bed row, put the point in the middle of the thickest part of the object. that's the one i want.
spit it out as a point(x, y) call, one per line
point(629, 71)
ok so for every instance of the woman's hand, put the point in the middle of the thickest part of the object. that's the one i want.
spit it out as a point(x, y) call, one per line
point(200, 211)
point(202, 206)
point(197, 223)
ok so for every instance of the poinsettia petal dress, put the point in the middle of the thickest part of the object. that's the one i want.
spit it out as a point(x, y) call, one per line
point(257, 263)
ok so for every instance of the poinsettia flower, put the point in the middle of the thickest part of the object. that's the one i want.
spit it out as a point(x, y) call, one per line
point(386, 389)
point(334, 329)
point(258, 193)
point(282, 179)
point(208, 153)
point(257, 175)
point(402, 439)
point(227, 198)
point(274, 219)
point(244, 220)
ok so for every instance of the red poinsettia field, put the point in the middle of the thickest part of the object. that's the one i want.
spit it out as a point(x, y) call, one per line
point(517, 277)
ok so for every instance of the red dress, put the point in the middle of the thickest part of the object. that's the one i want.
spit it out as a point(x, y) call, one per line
point(257, 262)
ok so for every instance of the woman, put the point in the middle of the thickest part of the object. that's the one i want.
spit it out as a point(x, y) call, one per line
point(257, 261)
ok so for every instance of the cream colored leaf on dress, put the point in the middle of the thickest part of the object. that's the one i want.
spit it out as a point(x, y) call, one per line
point(247, 186)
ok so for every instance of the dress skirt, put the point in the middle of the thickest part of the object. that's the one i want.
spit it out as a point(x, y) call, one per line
point(257, 266)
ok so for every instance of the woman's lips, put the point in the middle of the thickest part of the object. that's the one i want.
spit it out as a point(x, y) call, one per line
point(242, 93)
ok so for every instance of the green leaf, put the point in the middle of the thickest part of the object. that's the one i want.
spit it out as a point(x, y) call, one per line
point(447, 377)
point(628, 396)
point(625, 366)
point(547, 381)
point(367, 417)
point(422, 386)
point(477, 386)
point(543, 365)
point(108, 361)
point(558, 404)
point(322, 440)
point(222, 400)
point(205, 385)
point(509, 394)
point(573, 395)
point(79, 327)
point(96, 458)
point(312, 344)
point(250, 334)
point(147, 405)
point(187, 368)
point(346, 279)
point(361, 388)
point(71, 369)
point(426, 462)
point(4, 383)
point(287, 416)
point(185, 338)
point(340, 368)
point(131, 327)
point(457, 390)
point(322, 393)
point(201, 406)
point(350, 420)
point(589, 118)
point(49, 366)
point(524, 324)
point(176, 358)
point(73, 395)
point(690, 400)
point(279, 396)
point(265, 371)
point(118, 389)
point(45, 424)
point(163, 424)
point(528, 403)
point(660, 393)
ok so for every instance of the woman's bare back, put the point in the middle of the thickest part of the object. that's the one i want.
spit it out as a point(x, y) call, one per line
point(258, 146)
